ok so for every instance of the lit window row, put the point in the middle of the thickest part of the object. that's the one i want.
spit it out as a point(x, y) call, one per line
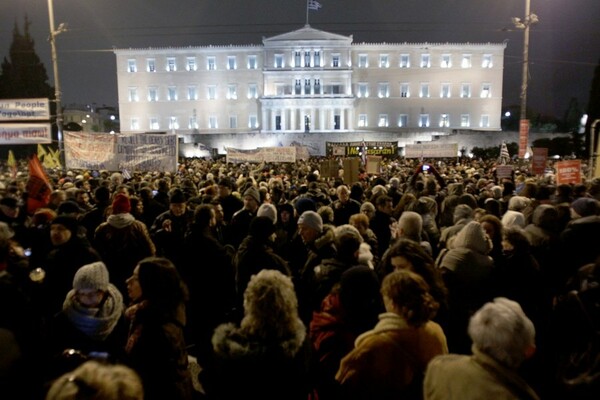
point(424, 121)
point(191, 93)
point(191, 64)
point(425, 60)
point(383, 90)
point(154, 123)
point(306, 59)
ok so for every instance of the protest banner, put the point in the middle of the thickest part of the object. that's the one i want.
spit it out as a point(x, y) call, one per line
point(568, 172)
point(25, 133)
point(431, 150)
point(373, 165)
point(538, 160)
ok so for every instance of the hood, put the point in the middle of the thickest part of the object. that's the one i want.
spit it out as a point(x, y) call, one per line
point(473, 237)
point(120, 220)
point(545, 216)
point(513, 218)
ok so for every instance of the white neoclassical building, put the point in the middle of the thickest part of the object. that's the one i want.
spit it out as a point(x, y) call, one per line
point(309, 80)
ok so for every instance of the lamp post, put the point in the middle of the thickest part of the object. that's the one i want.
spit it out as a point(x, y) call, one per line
point(524, 24)
point(57, 93)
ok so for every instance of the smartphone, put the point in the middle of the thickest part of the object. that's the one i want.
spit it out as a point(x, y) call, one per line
point(425, 167)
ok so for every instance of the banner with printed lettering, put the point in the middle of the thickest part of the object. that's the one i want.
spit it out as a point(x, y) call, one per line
point(355, 149)
point(262, 154)
point(431, 150)
point(538, 160)
point(568, 172)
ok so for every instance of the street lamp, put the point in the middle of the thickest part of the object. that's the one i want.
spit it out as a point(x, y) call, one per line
point(57, 94)
point(524, 24)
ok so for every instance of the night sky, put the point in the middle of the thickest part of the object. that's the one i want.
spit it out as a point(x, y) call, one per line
point(564, 45)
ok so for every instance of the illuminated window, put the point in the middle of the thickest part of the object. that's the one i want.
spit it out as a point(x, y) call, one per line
point(466, 61)
point(172, 93)
point(404, 61)
point(317, 86)
point(444, 120)
point(425, 61)
point(446, 61)
point(192, 93)
point(231, 62)
point(212, 122)
point(191, 64)
point(384, 61)
point(465, 120)
point(252, 121)
point(465, 90)
point(154, 123)
point(193, 123)
point(171, 64)
point(363, 89)
point(403, 120)
point(232, 92)
point(317, 58)
point(133, 94)
point(405, 89)
point(131, 65)
point(152, 94)
point(307, 86)
point(134, 123)
point(383, 121)
point(173, 123)
point(278, 60)
point(485, 121)
point(486, 61)
point(424, 120)
point(211, 63)
point(252, 62)
point(383, 90)
point(151, 65)
point(424, 92)
point(445, 91)
point(307, 59)
point(335, 60)
point(252, 91)
point(363, 61)
point(362, 120)
point(486, 90)
point(211, 92)
point(297, 59)
point(232, 122)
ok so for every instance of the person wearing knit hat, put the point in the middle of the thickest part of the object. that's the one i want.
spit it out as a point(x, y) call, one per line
point(91, 276)
point(311, 220)
point(585, 207)
point(62, 228)
point(304, 204)
point(268, 210)
point(253, 193)
point(240, 221)
point(121, 204)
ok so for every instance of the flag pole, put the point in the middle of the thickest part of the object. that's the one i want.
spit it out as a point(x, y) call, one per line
point(307, 11)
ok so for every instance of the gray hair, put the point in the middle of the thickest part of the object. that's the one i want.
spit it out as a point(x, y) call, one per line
point(411, 224)
point(501, 330)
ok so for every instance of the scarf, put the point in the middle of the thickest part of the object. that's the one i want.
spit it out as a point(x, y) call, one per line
point(96, 323)
point(135, 330)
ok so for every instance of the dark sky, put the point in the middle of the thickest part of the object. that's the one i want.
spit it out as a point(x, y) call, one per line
point(564, 46)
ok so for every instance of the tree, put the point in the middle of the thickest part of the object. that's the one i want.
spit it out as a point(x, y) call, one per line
point(23, 76)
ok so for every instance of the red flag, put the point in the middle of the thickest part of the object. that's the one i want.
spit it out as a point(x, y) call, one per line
point(38, 186)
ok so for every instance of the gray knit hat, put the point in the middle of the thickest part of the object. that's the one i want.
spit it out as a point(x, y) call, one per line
point(269, 211)
point(91, 276)
point(312, 220)
point(252, 191)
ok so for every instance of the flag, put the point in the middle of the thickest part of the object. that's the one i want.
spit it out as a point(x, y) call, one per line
point(41, 152)
point(504, 155)
point(12, 163)
point(314, 5)
point(363, 154)
point(38, 186)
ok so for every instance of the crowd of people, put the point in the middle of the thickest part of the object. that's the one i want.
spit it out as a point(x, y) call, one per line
point(428, 280)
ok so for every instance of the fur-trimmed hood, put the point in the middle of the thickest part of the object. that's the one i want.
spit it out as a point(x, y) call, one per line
point(327, 238)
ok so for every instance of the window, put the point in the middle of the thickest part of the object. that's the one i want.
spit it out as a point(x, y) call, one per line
point(446, 61)
point(486, 61)
point(192, 93)
point(335, 60)
point(445, 91)
point(151, 65)
point(363, 61)
point(232, 92)
point(278, 122)
point(465, 120)
point(190, 64)
point(424, 92)
point(384, 61)
point(171, 64)
point(252, 121)
point(423, 120)
point(298, 86)
point(317, 86)
point(404, 90)
point(232, 121)
point(193, 123)
point(403, 120)
point(231, 62)
point(211, 92)
point(362, 120)
point(154, 123)
point(252, 91)
point(152, 94)
point(383, 90)
point(383, 121)
point(336, 88)
point(466, 61)
point(307, 86)
point(297, 59)
point(465, 90)
point(134, 124)
point(252, 62)
point(171, 93)
point(212, 122)
point(363, 89)
point(486, 90)
point(404, 61)
point(444, 120)
point(278, 60)
point(337, 119)
point(211, 63)
point(317, 59)
point(173, 123)
point(485, 121)
point(131, 65)
point(307, 59)
point(133, 94)
point(425, 61)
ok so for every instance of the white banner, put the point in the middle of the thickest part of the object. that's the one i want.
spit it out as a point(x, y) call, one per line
point(431, 150)
point(24, 109)
point(266, 154)
point(136, 152)
point(29, 133)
